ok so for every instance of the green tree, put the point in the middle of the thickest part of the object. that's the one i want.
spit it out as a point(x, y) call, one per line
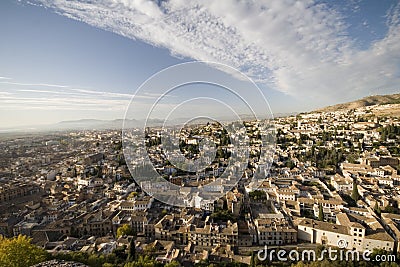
point(172, 264)
point(376, 207)
point(124, 230)
point(222, 215)
point(132, 195)
point(257, 194)
point(389, 209)
point(320, 213)
point(352, 157)
point(145, 261)
point(95, 260)
point(252, 260)
point(132, 251)
point(354, 194)
point(290, 164)
point(19, 252)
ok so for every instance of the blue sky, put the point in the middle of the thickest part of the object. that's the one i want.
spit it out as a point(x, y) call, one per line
point(67, 60)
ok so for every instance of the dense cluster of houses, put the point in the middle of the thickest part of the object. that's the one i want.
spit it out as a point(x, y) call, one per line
point(72, 192)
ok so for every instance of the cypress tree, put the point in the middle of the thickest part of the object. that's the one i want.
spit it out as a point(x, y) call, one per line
point(355, 195)
point(320, 213)
point(132, 251)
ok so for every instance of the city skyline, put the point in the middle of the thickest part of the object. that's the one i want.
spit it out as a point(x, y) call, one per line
point(302, 55)
point(199, 133)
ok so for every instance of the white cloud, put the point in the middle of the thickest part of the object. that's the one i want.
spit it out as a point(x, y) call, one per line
point(66, 98)
point(5, 94)
point(104, 94)
point(46, 92)
point(60, 97)
point(79, 93)
point(297, 47)
point(60, 103)
point(35, 84)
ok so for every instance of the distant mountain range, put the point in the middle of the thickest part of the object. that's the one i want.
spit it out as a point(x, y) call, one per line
point(364, 102)
point(94, 124)
point(83, 124)
point(89, 124)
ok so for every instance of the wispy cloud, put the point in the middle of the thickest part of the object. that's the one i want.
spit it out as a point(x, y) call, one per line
point(46, 92)
point(59, 97)
point(67, 100)
point(35, 84)
point(5, 94)
point(79, 93)
point(100, 93)
point(60, 103)
point(4, 78)
point(297, 47)
point(151, 96)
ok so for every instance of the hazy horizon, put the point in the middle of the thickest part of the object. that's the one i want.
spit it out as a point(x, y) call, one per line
point(42, 126)
point(65, 61)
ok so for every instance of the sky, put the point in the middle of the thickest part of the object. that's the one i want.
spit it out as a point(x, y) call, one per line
point(69, 60)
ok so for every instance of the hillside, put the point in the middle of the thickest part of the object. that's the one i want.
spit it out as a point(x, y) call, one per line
point(366, 101)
